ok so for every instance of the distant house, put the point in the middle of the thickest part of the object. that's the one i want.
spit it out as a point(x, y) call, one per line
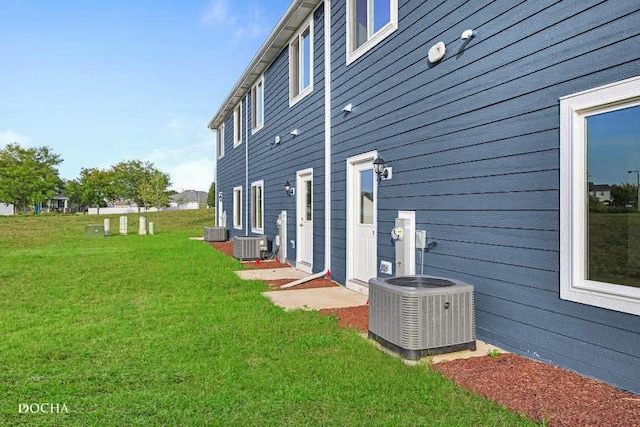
point(189, 199)
point(480, 109)
point(6, 209)
point(602, 193)
point(59, 203)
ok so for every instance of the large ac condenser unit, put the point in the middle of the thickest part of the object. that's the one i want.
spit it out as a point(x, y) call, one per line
point(215, 234)
point(249, 247)
point(418, 316)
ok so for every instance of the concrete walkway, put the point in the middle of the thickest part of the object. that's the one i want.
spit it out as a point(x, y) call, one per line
point(272, 274)
point(316, 299)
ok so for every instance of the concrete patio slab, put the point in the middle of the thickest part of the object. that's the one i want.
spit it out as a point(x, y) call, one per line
point(272, 274)
point(482, 349)
point(316, 299)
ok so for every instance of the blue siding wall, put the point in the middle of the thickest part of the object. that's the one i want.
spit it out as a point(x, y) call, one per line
point(275, 164)
point(474, 146)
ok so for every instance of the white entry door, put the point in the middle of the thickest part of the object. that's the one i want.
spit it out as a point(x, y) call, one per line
point(304, 202)
point(362, 205)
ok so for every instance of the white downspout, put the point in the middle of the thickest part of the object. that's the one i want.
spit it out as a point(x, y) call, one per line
point(327, 152)
point(246, 164)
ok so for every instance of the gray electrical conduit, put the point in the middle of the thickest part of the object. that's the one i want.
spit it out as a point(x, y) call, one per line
point(327, 153)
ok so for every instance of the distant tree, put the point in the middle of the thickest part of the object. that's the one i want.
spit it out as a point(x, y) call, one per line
point(127, 178)
point(153, 191)
point(211, 197)
point(28, 176)
point(92, 188)
point(623, 195)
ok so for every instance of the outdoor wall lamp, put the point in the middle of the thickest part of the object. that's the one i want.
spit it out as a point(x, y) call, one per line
point(380, 168)
point(289, 189)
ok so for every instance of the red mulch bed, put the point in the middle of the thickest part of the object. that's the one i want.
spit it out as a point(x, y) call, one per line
point(224, 247)
point(227, 248)
point(540, 391)
point(312, 284)
point(350, 317)
point(544, 392)
point(264, 265)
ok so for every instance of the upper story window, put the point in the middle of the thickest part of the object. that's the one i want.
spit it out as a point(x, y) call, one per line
point(368, 23)
point(301, 64)
point(220, 141)
point(257, 105)
point(237, 125)
point(600, 239)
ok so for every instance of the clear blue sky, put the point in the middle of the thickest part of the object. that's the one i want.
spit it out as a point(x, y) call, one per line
point(102, 81)
point(614, 139)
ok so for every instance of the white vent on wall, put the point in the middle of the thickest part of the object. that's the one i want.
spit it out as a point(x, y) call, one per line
point(417, 316)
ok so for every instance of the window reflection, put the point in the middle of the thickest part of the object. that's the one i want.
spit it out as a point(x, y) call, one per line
point(613, 217)
point(366, 196)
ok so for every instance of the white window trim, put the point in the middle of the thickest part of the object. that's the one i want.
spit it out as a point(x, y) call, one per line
point(573, 196)
point(293, 100)
point(256, 127)
point(220, 136)
point(383, 33)
point(237, 125)
point(237, 216)
point(255, 229)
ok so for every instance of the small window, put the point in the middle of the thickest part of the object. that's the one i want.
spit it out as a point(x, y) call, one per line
point(368, 23)
point(257, 105)
point(301, 64)
point(257, 207)
point(237, 125)
point(237, 208)
point(600, 236)
point(366, 197)
point(220, 141)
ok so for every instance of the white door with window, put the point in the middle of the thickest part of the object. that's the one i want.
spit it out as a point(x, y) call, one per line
point(304, 203)
point(361, 218)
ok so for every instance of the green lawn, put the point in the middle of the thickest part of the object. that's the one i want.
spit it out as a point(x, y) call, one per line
point(158, 330)
point(614, 248)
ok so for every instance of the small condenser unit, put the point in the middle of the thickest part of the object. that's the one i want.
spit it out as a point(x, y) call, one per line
point(419, 316)
point(215, 234)
point(249, 247)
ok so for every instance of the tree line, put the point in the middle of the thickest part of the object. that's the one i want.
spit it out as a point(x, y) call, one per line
point(29, 177)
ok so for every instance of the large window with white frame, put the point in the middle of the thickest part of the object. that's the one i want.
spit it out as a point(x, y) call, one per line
point(257, 105)
point(600, 230)
point(301, 63)
point(368, 23)
point(257, 207)
point(237, 208)
point(237, 125)
point(220, 141)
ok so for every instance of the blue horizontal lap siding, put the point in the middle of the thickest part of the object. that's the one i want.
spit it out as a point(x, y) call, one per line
point(474, 146)
point(230, 172)
point(275, 164)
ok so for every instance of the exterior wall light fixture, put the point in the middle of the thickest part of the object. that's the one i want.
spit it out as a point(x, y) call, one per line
point(381, 169)
point(289, 189)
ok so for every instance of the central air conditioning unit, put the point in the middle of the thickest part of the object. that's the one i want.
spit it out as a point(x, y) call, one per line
point(417, 316)
point(249, 247)
point(215, 234)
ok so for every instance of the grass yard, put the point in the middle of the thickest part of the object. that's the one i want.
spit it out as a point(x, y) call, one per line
point(158, 330)
point(614, 248)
